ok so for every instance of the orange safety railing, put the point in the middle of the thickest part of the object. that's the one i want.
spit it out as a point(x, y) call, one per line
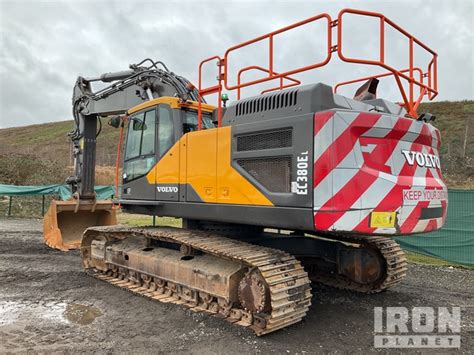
point(409, 101)
point(210, 90)
point(270, 36)
point(353, 81)
point(294, 82)
point(223, 77)
point(418, 83)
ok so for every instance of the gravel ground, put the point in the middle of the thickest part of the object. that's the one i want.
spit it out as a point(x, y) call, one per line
point(48, 304)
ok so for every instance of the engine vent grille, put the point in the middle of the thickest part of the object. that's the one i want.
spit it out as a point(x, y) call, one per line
point(265, 140)
point(272, 172)
point(267, 102)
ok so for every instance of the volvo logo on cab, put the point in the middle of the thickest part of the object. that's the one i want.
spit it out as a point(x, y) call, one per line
point(422, 159)
point(167, 188)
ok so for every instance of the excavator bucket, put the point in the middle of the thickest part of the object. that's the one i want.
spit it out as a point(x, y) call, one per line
point(66, 221)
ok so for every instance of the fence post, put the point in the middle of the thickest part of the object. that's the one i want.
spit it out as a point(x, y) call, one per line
point(42, 207)
point(10, 207)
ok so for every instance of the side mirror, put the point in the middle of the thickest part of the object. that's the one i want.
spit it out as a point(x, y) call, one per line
point(138, 125)
point(116, 121)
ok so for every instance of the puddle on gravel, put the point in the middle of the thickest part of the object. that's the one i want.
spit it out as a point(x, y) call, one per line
point(14, 311)
point(8, 312)
point(57, 312)
point(81, 314)
point(51, 311)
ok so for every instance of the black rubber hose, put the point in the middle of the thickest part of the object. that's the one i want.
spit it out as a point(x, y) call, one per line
point(100, 126)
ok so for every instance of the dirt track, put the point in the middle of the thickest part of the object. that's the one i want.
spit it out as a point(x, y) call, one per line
point(48, 304)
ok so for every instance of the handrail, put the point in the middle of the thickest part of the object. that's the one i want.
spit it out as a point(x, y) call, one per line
point(210, 90)
point(422, 87)
point(429, 88)
point(256, 67)
point(432, 77)
point(272, 75)
point(365, 78)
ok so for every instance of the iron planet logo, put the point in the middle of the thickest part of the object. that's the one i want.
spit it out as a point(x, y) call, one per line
point(419, 327)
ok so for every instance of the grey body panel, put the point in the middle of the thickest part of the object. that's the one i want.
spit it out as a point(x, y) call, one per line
point(277, 217)
point(301, 127)
point(190, 194)
point(294, 102)
point(138, 189)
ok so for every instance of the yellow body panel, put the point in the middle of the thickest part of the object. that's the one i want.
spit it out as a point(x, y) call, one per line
point(168, 168)
point(183, 155)
point(174, 102)
point(201, 163)
point(202, 159)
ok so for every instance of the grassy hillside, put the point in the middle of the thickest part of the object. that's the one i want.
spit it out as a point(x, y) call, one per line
point(23, 150)
point(455, 120)
point(50, 141)
point(452, 119)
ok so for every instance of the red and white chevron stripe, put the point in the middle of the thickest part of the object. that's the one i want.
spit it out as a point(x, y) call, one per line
point(359, 168)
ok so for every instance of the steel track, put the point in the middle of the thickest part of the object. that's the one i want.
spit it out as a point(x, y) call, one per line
point(288, 283)
point(394, 259)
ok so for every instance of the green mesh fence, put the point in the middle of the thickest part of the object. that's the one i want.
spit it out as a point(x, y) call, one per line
point(455, 241)
point(63, 191)
point(34, 201)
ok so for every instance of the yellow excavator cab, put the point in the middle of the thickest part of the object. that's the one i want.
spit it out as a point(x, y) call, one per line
point(66, 221)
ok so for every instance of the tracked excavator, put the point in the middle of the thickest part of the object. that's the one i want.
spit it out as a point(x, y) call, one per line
point(296, 184)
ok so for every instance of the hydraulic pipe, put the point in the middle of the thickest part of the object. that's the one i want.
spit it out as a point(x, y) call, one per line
point(109, 77)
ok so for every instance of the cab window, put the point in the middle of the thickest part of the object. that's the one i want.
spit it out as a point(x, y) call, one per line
point(190, 121)
point(141, 135)
point(134, 137)
point(140, 144)
point(148, 137)
point(165, 129)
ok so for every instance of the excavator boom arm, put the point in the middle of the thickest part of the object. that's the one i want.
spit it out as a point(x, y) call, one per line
point(127, 89)
point(65, 220)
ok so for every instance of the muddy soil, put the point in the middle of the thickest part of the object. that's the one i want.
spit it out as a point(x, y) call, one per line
point(48, 304)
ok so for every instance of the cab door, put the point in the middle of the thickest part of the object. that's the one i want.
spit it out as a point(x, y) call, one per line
point(140, 156)
point(166, 173)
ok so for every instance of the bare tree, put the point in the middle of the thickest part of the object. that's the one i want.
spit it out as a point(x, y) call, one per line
point(465, 140)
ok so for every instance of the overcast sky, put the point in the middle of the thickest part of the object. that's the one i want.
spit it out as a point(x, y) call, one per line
point(45, 44)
